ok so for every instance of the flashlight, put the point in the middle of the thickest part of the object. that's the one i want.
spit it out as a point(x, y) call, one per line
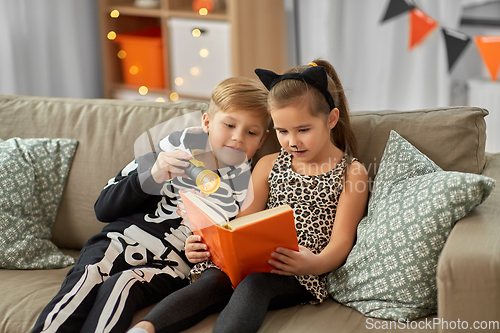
point(206, 180)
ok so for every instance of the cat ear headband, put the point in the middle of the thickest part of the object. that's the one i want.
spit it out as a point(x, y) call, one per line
point(315, 76)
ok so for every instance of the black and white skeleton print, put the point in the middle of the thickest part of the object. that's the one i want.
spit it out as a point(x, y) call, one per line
point(142, 246)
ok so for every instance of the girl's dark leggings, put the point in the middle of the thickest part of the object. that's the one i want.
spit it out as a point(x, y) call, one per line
point(243, 309)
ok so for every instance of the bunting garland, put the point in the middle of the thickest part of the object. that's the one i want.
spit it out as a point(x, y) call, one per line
point(456, 42)
point(421, 26)
point(489, 47)
point(397, 7)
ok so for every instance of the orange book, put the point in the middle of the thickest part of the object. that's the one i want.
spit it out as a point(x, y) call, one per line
point(243, 245)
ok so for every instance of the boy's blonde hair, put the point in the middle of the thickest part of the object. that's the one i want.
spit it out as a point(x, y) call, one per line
point(240, 93)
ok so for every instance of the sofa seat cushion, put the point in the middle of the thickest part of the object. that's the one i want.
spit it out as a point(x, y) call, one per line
point(329, 316)
point(26, 292)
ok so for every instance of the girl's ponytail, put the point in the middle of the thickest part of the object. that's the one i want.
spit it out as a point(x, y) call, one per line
point(342, 134)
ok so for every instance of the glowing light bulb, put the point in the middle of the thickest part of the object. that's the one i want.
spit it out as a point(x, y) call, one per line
point(194, 71)
point(160, 99)
point(143, 90)
point(174, 96)
point(122, 54)
point(203, 11)
point(114, 13)
point(179, 81)
point(133, 70)
point(196, 32)
point(203, 53)
point(111, 35)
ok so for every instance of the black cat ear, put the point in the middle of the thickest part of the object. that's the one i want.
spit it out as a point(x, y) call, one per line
point(318, 77)
point(317, 74)
point(267, 77)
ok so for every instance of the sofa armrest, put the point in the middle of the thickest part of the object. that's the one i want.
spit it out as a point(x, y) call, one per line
point(468, 272)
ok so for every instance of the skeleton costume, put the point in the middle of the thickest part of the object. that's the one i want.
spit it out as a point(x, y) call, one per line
point(138, 258)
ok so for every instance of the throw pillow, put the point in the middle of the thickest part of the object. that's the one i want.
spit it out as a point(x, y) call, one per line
point(33, 173)
point(391, 271)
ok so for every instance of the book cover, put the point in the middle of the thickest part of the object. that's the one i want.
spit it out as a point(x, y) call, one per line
point(243, 245)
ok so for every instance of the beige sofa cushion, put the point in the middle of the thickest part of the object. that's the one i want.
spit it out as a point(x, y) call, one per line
point(106, 131)
point(454, 138)
point(468, 272)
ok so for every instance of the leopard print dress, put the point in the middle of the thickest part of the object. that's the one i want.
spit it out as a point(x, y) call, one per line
point(314, 201)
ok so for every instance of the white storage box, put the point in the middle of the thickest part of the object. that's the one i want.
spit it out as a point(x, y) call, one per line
point(200, 55)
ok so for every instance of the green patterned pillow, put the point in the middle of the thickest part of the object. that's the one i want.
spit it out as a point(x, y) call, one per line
point(32, 177)
point(391, 271)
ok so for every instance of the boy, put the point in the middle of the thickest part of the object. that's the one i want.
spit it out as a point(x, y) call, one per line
point(138, 258)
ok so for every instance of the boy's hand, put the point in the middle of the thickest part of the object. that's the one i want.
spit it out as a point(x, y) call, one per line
point(196, 250)
point(290, 262)
point(180, 206)
point(167, 165)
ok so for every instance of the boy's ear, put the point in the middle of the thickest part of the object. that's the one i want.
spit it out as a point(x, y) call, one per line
point(205, 120)
point(264, 137)
point(333, 118)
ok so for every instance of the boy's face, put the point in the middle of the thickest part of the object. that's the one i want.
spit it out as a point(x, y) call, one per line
point(235, 136)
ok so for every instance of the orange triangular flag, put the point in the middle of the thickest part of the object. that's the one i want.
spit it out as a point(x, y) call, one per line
point(421, 26)
point(489, 47)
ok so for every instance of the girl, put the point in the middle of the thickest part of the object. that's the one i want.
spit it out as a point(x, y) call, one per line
point(316, 174)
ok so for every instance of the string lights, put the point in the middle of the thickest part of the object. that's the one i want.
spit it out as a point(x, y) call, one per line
point(134, 68)
point(203, 7)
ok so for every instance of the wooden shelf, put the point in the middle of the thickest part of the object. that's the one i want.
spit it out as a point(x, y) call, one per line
point(257, 35)
point(221, 16)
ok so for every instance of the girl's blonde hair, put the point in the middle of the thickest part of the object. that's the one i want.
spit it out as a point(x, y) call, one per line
point(240, 93)
point(288, 92)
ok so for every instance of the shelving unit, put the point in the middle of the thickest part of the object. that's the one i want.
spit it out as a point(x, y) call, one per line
point(257, 36)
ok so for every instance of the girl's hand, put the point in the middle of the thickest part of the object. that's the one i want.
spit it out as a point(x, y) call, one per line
point(196, 250)
point(168, 165)
point(290, 262)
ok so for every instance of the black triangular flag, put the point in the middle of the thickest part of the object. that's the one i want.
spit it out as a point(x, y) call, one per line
point(397, 7)
point(456, 42)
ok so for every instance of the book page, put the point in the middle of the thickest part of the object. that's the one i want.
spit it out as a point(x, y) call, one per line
point(213, 212)
point(258, 216)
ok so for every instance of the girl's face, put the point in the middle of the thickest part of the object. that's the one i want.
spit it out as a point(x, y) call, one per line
point(303, 135)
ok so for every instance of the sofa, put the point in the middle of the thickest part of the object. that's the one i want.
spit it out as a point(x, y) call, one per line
point(468, 269)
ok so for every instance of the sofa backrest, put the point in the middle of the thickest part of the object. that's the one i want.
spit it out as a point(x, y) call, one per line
point(106, 131)
point(454, 138)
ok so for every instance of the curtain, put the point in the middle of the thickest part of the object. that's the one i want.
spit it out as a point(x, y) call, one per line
point(372, 57)
point(50, 48)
